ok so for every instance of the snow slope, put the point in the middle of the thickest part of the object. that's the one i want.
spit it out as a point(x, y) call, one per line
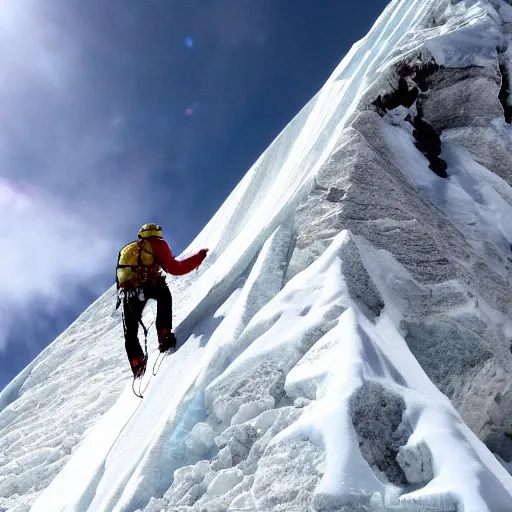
point(347, 345)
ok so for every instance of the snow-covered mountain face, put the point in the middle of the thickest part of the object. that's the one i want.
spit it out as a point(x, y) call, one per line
point(347, 345)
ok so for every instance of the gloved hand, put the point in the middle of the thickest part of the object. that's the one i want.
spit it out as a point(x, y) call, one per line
point(202, 253)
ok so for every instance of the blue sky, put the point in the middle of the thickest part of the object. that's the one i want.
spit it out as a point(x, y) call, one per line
point(118, 113)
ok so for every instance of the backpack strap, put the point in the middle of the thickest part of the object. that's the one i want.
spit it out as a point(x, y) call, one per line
point(118, 265)
point(118, 302)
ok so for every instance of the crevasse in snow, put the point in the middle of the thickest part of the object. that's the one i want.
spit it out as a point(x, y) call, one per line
point(347, 345)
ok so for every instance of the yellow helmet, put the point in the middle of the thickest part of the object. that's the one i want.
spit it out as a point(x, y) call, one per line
point(150, 230)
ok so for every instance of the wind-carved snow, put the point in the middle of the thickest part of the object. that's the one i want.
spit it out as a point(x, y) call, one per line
point(347, 344)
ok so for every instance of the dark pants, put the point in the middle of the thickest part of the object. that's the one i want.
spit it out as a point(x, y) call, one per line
point(133, 307)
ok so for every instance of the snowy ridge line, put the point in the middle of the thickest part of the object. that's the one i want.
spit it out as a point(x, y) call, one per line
point(341, 334)
point(330, 109)
point(290, 175)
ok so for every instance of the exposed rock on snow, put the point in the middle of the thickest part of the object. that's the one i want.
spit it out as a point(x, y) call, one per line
point(459, 97)
point(377, 414)
point(416, 463)
point(488, 145)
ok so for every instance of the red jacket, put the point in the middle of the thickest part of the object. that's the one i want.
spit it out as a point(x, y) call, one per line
point(163, 257)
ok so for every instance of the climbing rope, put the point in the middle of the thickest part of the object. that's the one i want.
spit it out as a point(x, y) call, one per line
point(159, 361)
point(141, 390)
point(139, 393)
point(156, 367)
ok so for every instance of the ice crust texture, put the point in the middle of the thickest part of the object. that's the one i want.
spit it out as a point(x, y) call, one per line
point(347, 344)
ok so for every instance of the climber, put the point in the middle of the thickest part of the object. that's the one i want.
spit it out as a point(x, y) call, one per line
point(139, 278)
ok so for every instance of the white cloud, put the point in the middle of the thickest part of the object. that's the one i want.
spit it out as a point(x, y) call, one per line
point(72, 185)
point(44, 250)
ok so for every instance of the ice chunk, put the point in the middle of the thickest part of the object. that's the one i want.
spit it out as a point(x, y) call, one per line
point(244, 501)
point(224, 481)
point(250, 410)
point(201, 439)
point(185, 479)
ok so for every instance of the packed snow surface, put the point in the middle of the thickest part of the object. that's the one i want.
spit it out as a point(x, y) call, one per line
point(346, 346)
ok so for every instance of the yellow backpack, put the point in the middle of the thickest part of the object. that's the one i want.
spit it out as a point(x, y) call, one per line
point(133, 263)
